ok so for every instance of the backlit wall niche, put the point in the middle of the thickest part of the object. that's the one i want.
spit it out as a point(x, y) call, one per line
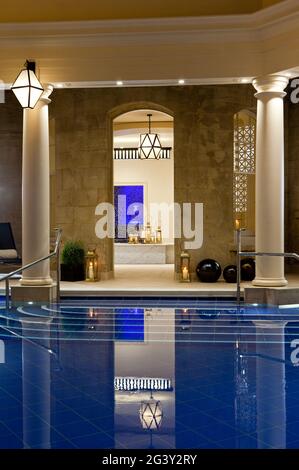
point(244, 169)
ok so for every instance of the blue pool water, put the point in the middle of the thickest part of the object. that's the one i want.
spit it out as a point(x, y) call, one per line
point(129, 374)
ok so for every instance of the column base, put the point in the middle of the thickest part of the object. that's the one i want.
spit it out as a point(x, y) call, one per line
point(41, 281)
point(269, 324)
point(271, 296)
point(269, 282)
point(36, 294)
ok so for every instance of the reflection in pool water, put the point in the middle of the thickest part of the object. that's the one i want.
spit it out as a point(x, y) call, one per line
point(149, 374)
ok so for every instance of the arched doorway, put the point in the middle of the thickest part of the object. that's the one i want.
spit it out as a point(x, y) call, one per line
point(143, 192)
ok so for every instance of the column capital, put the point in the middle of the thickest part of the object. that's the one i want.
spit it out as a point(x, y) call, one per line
point(48, 88)
point(270, 86)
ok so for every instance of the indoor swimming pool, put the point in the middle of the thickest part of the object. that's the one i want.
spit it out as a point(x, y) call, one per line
point(149, 374)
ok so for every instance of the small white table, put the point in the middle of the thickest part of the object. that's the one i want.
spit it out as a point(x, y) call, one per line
point(142, 253)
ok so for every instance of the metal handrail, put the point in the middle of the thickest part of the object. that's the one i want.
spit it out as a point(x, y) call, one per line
point(253, 253)
point(261, 253)
point(35, 343)
point(55, 252)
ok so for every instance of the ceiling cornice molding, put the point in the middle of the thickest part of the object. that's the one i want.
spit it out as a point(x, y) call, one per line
point(212, 30)
point(261, 18)
point(205, 50)
point(151, 83)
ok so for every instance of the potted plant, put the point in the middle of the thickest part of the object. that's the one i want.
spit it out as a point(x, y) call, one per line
point(73, 261)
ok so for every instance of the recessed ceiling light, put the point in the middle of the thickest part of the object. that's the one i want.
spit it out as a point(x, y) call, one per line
point(59, 85)
point(119, 83)
point(181, 81)
point(245, 80)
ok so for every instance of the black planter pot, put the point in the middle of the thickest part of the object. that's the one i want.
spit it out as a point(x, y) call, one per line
point(72, 273)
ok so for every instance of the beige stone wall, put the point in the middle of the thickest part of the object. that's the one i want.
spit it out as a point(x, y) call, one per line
point(11, 165)
point(203, 146)
point(292, 185)
point(81, 175)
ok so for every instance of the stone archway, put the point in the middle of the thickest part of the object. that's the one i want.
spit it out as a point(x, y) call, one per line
point(114, 114)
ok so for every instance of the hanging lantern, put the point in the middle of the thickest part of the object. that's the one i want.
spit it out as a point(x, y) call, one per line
point(91, 260)
point(150, 145)
point(185, 267)
point(27, 87)
point(151, 414)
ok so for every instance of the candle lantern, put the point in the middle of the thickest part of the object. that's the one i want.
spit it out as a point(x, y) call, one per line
point(148, 233)
point(136, 237)
point(133, 237)
point(158, 235)
point(185, 321)
point(240, 221)
point(91, 260)
point(185, 267)
point(237, 224)
point(142, 236)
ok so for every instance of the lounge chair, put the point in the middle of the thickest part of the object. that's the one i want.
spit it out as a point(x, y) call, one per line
point(9, 258)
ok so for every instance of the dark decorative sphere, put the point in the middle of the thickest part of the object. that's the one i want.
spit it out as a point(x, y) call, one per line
point(247, 269)
point(230, 273)
point(208, 270)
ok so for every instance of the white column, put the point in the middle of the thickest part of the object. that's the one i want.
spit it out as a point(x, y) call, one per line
point(36, 191)
point(270, 376)
point(36, 378)
point(269, 221)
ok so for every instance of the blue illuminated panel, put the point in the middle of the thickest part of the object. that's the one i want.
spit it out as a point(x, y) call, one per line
point(128, 206)
point(129, 324)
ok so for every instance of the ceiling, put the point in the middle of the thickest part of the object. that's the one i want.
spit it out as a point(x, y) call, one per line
point(195, 50)
point(127, 127)
point(68, 10)
point(141, 116)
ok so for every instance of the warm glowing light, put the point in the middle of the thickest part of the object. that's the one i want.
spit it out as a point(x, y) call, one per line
point(185, 274)
point(185, 267)
point(26, 87)
point(150, 145)
point(119, 83)
point(151, 414)
point(237, 224)
point(181, 81)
